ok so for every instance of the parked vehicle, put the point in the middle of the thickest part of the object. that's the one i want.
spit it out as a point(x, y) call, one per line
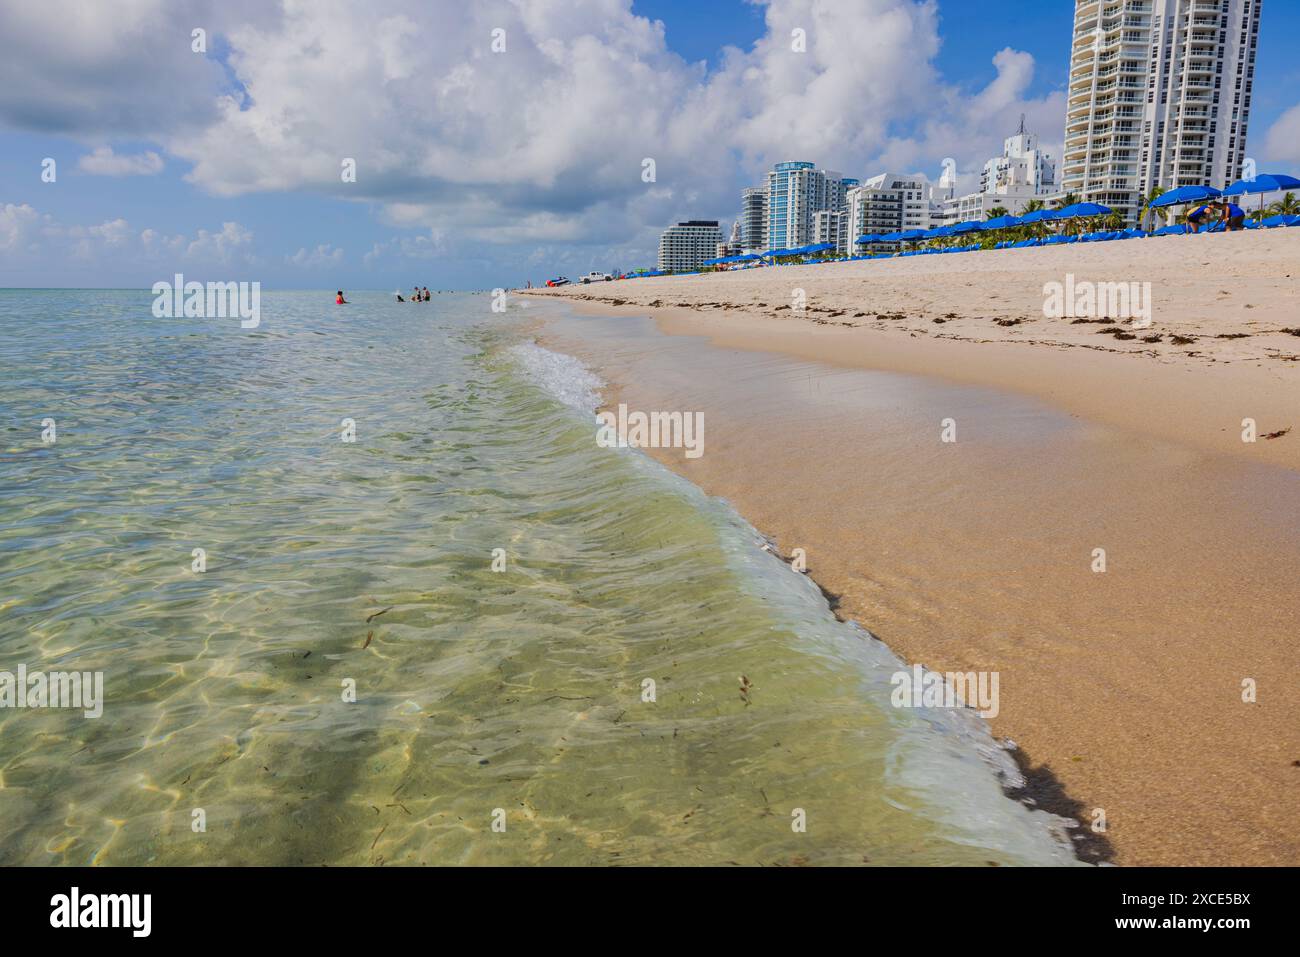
point(558, 281)
point(597, 277)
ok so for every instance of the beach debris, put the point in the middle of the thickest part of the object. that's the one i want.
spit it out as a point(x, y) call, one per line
point(1292, 332)
point(369, 636)
point(1102, 322)
point(1156, 337)
point(745, 687)
point(1183, 340)
point(1008, 322)
point(378, 613)
point(1277, 435)
point(1233, 335)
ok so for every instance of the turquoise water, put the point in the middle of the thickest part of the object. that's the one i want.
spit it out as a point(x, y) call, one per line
point(512, 696)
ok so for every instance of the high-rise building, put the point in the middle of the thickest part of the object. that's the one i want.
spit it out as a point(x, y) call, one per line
point(796, 193)
point(1160, 94)
point(753, 219)
point(687, 246)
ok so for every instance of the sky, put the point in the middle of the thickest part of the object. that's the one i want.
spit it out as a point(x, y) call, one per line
point(495, 142)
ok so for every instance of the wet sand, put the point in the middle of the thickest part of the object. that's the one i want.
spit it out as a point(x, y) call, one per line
point(1122, 690)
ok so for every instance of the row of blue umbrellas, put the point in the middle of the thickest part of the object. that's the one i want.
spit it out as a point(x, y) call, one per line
point(1268, 183)
point(1075, 211)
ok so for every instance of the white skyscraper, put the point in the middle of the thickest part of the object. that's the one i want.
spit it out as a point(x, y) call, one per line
point(1160, 94)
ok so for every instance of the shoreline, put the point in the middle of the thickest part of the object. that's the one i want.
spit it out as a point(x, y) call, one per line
point(1197, 394)
point(981, 586)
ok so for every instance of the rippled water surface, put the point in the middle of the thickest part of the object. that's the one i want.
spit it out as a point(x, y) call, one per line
point(480, 695)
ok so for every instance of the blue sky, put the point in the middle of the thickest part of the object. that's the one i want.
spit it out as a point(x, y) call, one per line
point(451, 193)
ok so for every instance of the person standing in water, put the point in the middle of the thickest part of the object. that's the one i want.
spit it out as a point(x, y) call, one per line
point(339, 300)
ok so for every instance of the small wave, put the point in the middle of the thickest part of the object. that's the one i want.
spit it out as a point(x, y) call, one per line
point(561, 375)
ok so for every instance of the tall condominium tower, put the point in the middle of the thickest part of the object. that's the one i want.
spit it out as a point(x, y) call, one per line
point(796, 192)
point(753, 219)
point(1160, 95)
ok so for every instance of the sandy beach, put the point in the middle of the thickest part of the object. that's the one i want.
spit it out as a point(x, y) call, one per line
point(1122, 689)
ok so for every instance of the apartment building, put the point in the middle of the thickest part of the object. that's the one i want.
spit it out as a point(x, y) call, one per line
point(687, 246)
point(1159, 94)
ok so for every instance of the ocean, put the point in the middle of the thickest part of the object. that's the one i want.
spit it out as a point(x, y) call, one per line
point(363, 588)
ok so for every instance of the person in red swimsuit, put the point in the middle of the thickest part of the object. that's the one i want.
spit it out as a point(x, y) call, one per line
point(339, 300)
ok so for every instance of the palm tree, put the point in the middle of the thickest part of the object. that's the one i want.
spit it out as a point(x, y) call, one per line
point(1069, 199)
point(996, 212)
point(1286, 206)
point(1147, 208)
point(1033, 206)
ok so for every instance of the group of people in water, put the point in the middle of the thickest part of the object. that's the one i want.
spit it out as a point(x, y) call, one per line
point(1230, 214)
point(417, 295)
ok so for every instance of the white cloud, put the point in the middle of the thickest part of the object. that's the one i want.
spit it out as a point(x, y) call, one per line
point(1282, 141)
point(104, 162)
point(231, 242)
point(28, 236)
point(17, 226)
point(322, 256)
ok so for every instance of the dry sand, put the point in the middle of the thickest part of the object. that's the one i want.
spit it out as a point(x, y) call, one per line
point(1122, 689)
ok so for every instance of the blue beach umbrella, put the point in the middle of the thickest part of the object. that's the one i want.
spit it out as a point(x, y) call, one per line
point(1267, 183)
point(1001, 222)
point(1079, 210)
point(937, 233)
point(962, 228)
point(1185, 194)
point(1040, 216)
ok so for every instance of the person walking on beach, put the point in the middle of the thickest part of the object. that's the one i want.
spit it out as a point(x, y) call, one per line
point(339, 300)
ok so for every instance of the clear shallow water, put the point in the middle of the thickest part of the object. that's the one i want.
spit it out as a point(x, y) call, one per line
point(479, 690)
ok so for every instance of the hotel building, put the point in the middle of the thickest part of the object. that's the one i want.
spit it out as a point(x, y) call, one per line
point(885, 204)
point(1159, 95)
point(1022, 174)
point(687, 246)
